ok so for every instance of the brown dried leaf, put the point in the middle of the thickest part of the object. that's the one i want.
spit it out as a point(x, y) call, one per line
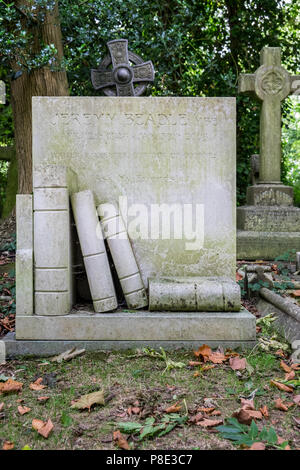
point(120, 440)
point(285, 367)
point(203, 351)
point(290, 375)
point(10, 386)
point(1, 406)
point(23, 410)
point(43, 428)
point(37, 385)
point(206, 410)
point(281, 386)
point(264, 411)
point(174, 408)
point(217, 357)
point(208, 367)
point(245, 416)
point(280, 405)
point(8, 445)
point(43, 399)
point(194, 363)
point(258, 446)
point(247, 404)
point(209, 423)
point(237, 363)
point(87, 401)
point(296, 399)
point(197, 417)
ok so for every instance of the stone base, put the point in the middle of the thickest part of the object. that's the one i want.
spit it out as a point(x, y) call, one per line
point(270, 195)
point(284, 323)
point(124, 329)
point(268, 218)
point(265, 245)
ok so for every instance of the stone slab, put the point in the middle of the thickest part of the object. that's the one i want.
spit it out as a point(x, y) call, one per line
point(270, 195)
point(15, 348)
point(265, 245)
point(268, 218)
point(152, 152)
point(140, 326)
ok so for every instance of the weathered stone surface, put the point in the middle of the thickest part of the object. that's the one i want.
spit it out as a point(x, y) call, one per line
point(194, 294)
point(270, 195)
point(15, 348)
point(265, 245)
point(24, 255)
point(121, 251)
point(271, 84)
point(2, 352)
point(268, 218)
point(298, 261)
point(52, 239)
point(141, 326)
point(157, 153)
point(284, 323)
point(94, 252)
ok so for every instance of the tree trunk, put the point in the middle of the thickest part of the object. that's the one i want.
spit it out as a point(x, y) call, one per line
point(38, 82)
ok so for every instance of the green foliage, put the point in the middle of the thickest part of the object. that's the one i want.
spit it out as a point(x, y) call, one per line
point(170, 364)
point(241, 434)
point(151, 428)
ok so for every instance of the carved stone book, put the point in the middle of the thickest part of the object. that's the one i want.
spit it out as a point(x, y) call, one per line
point(123, 257)
point(94, 252)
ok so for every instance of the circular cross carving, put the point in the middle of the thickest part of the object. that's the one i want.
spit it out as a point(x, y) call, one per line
point(121, 72)
point(272, 81)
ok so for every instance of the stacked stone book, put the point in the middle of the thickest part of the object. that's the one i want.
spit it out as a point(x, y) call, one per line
point(91, 236)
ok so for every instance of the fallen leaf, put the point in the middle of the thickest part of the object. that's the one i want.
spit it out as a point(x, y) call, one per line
point(285, 367)
point(10, 386)
point(87, 401)
point(245, 416)
point(295, 366)
point(280, 405)
point(37, 385)
point(290, 376)
point(215, 413)
point(196, 374)
point(174, 408)
point(23, 410)
point(264, 411)
point(237, 363)
point(209, 423)
point(1, 406)
point(217, 357)
point(206, 410)
point(247, 404)
point(43, 428)
point(281, 386)
point(203, 351)
point(120, 440)
point(296, 399)
point(258, 446)
point(296, 293)
point(238, 277)
point(194, 363)
point(8, 445)
point(43, 399)
point(197, 417)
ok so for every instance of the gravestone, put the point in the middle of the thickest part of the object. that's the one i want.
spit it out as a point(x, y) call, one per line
point(268, 225)
point(169, 164)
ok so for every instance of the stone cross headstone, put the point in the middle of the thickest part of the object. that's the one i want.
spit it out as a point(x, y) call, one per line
point(271, 84)
point(2, 92)
point(122, 76)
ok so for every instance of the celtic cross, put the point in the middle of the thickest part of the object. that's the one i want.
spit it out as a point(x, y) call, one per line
point(117, 76)
point(271, 84)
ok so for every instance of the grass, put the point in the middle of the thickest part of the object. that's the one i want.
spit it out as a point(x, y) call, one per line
point(127, 378)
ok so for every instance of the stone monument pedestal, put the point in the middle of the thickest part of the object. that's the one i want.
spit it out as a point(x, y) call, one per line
point(269, 225)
